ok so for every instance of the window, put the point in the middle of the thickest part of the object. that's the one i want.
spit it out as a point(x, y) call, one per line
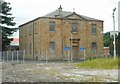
point(74, 27)
point(52, 47)
point(94, 47)
point(52, 26)
point(93, 28)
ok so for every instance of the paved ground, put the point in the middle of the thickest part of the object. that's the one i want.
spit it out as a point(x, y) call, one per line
point(54, 72)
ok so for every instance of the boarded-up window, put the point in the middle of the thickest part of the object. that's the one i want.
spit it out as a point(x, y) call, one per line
point(52, 47)
point(94, 47)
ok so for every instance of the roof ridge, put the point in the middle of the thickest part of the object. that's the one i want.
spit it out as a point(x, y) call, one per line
point(67, 13)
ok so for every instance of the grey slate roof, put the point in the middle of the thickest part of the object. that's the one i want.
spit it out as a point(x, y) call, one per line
point(65, 14)
point(56, 12)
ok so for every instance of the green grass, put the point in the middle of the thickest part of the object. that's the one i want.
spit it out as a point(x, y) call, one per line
point(99, 63)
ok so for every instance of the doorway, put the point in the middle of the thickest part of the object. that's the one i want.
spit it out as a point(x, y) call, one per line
point(75, 48)
point(75, 51)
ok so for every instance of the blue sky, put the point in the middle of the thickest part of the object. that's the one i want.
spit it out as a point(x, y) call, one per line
point(26, 10)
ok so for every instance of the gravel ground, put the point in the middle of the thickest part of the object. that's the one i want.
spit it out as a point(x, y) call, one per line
point(54, 72)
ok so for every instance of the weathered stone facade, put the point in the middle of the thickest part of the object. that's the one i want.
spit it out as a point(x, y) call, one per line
point(36, 36)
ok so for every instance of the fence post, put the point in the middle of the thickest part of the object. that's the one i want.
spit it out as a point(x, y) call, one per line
point(7, 56)
point(17, 55)
point(3, 56)
point(68, 57)
point(84, 54)
point(46, 57)
point(12, 56)
point(39, 55)
point(23, 56)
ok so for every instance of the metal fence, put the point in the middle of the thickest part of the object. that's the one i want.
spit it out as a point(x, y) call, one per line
point(17, 56)
point(22, 56)
point(25, 56)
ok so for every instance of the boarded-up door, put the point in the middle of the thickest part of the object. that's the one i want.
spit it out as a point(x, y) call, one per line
point(75, 52)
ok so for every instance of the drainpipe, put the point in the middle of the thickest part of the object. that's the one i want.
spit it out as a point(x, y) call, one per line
point(33, 39)
point(61, 38)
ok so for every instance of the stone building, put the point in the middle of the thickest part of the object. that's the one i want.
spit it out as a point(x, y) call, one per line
point(59, 29)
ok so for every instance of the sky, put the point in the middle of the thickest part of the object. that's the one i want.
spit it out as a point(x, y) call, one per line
point(26, 10)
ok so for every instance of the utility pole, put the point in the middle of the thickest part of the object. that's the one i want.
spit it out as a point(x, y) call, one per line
point(119, 16)
point(114, 33)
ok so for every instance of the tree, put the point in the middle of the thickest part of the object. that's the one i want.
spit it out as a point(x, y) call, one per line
point(6, 24)
point(117, 42)
point(107, 39)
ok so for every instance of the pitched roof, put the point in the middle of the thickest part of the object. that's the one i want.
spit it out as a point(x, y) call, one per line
point(64, 14)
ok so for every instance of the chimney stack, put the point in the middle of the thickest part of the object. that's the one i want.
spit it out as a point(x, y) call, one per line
point(60, 11)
